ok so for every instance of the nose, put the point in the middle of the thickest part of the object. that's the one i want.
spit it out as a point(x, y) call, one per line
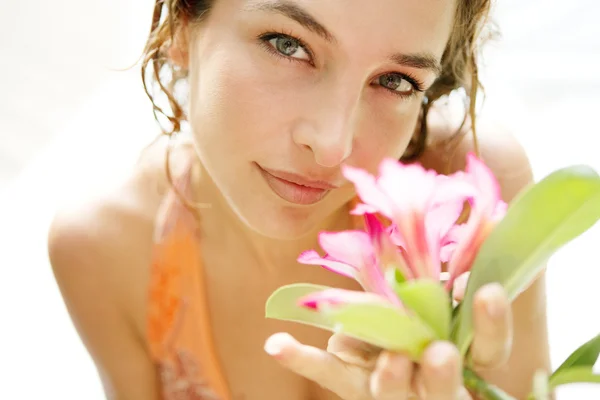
point(327, 127)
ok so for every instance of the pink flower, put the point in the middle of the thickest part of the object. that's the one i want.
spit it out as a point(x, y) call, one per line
point(360, 255)
point(422, 205)
point(487, 209)
point(423, 208)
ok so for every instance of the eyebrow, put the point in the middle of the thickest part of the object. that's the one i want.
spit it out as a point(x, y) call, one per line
point(295, 12)
point(301, 16)
point(419, 61)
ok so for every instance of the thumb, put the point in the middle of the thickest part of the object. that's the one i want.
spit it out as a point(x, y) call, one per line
point(317, 365)
point(305, 360)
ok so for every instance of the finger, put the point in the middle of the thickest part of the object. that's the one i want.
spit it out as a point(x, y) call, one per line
point(441, 372)
point(327, 370)
point(392, 377)
point(353, 351)
point(492, 321)
point(460, 286)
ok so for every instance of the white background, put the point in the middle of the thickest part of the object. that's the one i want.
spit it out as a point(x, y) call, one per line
point(67, 123)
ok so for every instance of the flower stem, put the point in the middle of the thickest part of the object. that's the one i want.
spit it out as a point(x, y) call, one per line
point(481, 389)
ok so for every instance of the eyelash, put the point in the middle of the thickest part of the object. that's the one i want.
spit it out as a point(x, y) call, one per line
point(416, 83)
point(267, 36)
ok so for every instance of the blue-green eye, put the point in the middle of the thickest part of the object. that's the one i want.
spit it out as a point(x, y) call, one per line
point(397, 83)
point(288, 46)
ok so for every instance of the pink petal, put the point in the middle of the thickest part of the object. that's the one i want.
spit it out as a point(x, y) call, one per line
point(410, 189)
point(500, 211)
point(362, 209)
point(407, 186)
point(473, 234)
point(395, 235)
point(452, 190)
point(446, 251)
point(367, 189)
point(438, 222)
point(422, 256)
point(385, 255)
point(483, 179)
point(349, 247)
point(456, 234)
point(450, 241)
point(311, 257)
point(372, 278)
point(334, 297)
point(374, 227)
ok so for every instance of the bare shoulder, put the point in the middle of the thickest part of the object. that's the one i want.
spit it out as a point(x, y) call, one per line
point(115, 227)
point(100, 251)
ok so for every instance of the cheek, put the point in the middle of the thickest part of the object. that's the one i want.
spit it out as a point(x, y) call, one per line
point(231, 105)
point(240, 100)
point(385, 133)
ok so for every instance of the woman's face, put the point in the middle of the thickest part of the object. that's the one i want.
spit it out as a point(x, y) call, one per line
point(283, 93)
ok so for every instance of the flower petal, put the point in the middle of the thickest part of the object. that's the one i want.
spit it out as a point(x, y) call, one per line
point(450, 241)
point(483, 177)
point(367, 189)
point(350, 247)
point(499, 211)
point(361, 209)
point(395, 235)
point(489, 196)
point(446, 251)
point(474, 232)
point(311, 257)
point(407, 186)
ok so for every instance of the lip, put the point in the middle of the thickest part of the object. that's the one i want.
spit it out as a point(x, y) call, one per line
point(295, 188)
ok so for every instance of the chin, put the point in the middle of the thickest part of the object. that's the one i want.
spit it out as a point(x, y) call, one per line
point(280, 221)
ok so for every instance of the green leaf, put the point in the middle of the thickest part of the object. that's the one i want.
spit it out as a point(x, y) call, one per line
point(382, 325)
point(283, 305)
point(540, 221)
point(430, 301)
point(574, 375)
point(585, 356)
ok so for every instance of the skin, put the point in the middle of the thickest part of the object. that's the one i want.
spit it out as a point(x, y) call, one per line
point(249, 105)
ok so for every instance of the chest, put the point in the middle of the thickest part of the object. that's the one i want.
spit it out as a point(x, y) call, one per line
point(239, 327)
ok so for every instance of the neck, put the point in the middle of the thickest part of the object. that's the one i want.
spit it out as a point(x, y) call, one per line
point(223, 229)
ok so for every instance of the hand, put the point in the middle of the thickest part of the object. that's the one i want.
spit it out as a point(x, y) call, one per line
point(355, 370)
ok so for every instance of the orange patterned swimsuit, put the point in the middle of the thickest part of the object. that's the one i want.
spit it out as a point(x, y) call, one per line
point(178, 322)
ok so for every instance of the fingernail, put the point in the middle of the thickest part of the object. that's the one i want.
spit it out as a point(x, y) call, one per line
point(441, 355)
point(274, 344)
point(494, 304)
point(440, 359)
point(493, 309)
point(272, 347)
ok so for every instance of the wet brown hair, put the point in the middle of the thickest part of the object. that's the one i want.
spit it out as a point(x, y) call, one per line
point(459, 65)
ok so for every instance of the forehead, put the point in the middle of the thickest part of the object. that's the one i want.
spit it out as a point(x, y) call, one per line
point(412, 25)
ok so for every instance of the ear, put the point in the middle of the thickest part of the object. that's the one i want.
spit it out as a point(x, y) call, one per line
point(178, 51)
